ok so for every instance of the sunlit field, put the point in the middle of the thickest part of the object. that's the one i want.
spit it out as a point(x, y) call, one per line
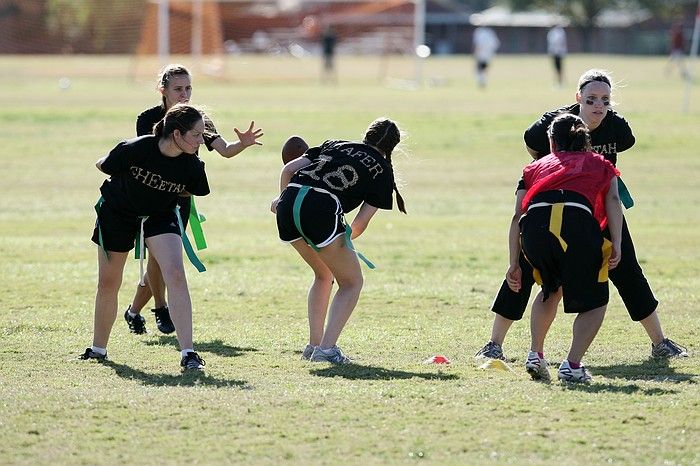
point(438, 270)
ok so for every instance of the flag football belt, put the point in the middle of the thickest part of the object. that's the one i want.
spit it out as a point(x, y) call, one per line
point(296, 212)
point(624, 194)
point(140, 240)
point(555, 218)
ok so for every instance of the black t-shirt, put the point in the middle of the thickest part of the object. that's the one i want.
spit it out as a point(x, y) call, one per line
point(148, 118)
point(353, 171)
point(143, 181)
point(613, 135)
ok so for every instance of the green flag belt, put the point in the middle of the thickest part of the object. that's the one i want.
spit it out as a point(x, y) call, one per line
point(624, 194)
point(140, 248)
point(296, 211)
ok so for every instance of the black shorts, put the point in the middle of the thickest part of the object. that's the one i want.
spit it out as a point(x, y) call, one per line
point(575, 259)
point(185, 203)
point(119, 231)
point(321, 216)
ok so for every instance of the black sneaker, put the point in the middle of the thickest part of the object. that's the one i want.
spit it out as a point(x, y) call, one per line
point(668, 349)
point(90, 354)
point(137, 324)
point(192, 362)
point(165, 325)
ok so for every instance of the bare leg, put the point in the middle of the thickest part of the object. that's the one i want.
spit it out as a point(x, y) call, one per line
point(155, 287)
point(167, 250)
point(345, 267)
point(652, 325)
point(586, 327)
point(319, 293)
point(500, 328)
point(541, 318)
point(109, 280)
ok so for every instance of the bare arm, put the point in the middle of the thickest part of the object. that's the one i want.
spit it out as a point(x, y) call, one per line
point(287, 172)
point(245, 139)
point(361, 220)
point(614, 213)
point(514, 273)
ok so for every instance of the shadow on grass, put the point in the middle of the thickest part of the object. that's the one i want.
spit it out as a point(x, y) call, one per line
point(654, 370)
point(360, 372)
point(186, 379)
point(651, 369)
point(215, 346)
point(610, 388)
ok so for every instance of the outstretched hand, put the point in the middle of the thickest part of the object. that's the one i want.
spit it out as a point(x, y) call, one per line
point(514, 278)
point(250, 137)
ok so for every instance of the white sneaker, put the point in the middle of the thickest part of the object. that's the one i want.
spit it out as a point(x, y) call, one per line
point(308, 351)
point(537, 367)
point(333, 355)
point(568, 374)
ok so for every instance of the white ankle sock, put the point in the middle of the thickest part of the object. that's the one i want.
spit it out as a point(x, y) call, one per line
point(132, 314)
point(98, 350)
point(184, 352)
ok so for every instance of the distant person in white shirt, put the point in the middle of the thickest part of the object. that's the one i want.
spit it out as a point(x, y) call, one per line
point(556, 48)
point(485, 44)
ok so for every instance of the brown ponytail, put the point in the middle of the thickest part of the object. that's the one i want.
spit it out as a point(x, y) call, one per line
point(569, 133)
point(384, 134)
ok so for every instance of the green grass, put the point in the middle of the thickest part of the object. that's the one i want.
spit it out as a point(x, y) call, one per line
point(438, 271)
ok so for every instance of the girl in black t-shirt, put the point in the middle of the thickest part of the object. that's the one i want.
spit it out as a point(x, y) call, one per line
point(610, 134)
point(317, 190)
point(175, 86)
point(147, 175)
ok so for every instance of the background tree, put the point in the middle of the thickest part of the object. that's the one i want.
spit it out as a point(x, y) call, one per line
point(93, 26)
point(583, 13)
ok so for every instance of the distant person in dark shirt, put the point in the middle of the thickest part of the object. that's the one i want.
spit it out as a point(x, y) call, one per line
point(329, 39)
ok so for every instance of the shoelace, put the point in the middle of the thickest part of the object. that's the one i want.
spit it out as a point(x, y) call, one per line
point(675, 345)
point(194, 356)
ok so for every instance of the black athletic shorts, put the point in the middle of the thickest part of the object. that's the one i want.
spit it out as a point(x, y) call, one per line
point(119, 231)
point(321, 216)
point(566, 248)
point(185, 203)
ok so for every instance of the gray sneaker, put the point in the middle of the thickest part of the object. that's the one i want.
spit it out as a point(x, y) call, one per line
point(537, 367)
point(333, 355)
point(668, 349)
point(308, 351)
point(568, 374)
point(491, 350)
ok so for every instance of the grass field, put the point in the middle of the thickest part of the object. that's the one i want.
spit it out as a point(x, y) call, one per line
point(438, 271)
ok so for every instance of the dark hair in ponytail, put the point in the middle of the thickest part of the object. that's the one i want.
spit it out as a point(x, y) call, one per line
point(569, 133)
point(180, 116)
point(384, 134)
point(168, 72)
